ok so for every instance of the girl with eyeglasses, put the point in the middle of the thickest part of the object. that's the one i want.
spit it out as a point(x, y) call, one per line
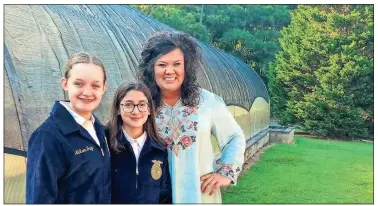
point(139, 161)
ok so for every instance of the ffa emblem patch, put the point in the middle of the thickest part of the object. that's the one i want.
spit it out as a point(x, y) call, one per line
point(156, 171)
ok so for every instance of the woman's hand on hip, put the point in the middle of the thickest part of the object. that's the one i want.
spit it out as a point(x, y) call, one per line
point(215, 181)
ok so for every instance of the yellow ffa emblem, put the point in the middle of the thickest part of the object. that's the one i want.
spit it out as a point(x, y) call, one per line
point(156, 171)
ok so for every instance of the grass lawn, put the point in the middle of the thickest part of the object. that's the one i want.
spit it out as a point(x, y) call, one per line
point(311, 171)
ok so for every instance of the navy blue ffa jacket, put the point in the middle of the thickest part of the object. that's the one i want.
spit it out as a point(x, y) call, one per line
point(147, 183)
point(64, 163)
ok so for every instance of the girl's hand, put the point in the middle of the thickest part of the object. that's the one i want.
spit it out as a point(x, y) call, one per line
point(214, 180)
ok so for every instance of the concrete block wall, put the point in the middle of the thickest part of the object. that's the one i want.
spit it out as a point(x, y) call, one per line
point(282, 135)
point(273, 135)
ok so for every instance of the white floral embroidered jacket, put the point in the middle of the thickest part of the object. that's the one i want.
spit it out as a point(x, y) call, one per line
point(187, 131)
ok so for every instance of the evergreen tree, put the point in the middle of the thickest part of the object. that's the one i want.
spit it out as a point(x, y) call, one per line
point(249, 32)
point(323, 76)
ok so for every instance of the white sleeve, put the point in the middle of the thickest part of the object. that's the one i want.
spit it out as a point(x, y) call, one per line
point(230, 138)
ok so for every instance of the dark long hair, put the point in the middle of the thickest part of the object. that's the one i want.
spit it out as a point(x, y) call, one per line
point(114, 123)
point(162, 43)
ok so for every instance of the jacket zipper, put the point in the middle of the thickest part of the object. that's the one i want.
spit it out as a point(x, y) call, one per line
point(102, 151)
point(99, 146)
point(107, 146)
point(137, 173)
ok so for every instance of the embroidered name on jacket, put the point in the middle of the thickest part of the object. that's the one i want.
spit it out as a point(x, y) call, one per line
point(80, 151)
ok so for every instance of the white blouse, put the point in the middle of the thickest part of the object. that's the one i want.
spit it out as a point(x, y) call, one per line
point(187, 131)
point(137, 144)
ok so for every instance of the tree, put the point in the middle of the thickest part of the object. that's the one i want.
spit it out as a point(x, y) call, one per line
point(177, 17)
point(249, 32)
point(323, 76)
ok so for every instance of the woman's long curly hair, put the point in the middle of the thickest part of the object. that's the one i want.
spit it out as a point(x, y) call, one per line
point(160, 44)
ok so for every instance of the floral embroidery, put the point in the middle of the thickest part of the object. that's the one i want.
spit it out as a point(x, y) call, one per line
point(186, 141)
point(228, 171)
point(189, 110)
point(177, 126)
point(169, 142)
point(159, 115)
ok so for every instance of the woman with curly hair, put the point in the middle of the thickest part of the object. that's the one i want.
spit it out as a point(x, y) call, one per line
point(187, 116)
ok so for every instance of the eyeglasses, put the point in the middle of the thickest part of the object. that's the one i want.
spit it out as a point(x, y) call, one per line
point(129, 107)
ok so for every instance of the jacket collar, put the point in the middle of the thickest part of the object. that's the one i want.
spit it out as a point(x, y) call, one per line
point(153, 145)
point(68, 124)
point(148, 145)
point(79, 119)
point(64, 119)
point(140, 140)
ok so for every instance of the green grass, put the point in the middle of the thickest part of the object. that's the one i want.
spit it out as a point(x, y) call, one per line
point(311, 171)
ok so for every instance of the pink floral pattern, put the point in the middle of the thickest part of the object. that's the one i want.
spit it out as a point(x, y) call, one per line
point(228, 171)
point(169, 142)
point(186, 141)
point(177, 126)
